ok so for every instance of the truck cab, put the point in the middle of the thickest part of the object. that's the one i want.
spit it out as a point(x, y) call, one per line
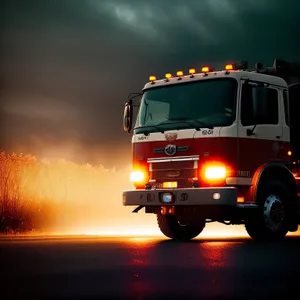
point(218, 146)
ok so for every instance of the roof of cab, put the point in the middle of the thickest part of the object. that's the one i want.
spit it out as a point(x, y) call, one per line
point(237, 74)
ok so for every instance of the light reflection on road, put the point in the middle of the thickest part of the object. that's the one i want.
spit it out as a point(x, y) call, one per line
point(151, 260)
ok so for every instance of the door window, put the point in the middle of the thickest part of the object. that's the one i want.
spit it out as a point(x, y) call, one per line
point(259, 105)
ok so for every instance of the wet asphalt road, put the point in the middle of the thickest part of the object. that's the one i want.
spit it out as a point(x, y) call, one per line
point(150, 268)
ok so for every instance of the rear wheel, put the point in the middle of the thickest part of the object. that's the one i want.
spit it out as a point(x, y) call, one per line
point(172, 228)
point(271, 222)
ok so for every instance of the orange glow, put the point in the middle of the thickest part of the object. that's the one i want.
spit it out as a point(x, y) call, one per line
point(143, 233)
point(137, 176)
point(192, 71)
point(205, 69)
point(215, 172)
point(179, 73)
point(169, 185)
point(167, 210)
point(216, 254)
point(152, 78)
point(289, 153)
point(240, 199)
point(62, 197)
point(168, 75)
point(229, 67)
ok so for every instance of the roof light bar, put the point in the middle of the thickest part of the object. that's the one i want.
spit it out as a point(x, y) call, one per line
point(152, 78)
point(243, 65)
point(179, 73)
point(168, 76)
point(229, 67)
point(205, 69)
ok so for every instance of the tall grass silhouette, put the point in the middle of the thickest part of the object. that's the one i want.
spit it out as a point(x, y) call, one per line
point(40, 195)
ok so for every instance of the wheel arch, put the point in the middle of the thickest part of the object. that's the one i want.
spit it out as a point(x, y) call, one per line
point(278, 171)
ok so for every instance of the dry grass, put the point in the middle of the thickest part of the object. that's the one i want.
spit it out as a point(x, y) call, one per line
point(41, 196)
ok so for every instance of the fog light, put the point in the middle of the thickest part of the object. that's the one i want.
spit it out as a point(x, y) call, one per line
point(215, 172)
point(137, 176)
point(167, 197)
point(216, 196)
point(170, 185)
point(240, 199)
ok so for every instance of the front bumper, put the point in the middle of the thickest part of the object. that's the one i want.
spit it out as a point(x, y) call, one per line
point(194, 202)
point(223, 196)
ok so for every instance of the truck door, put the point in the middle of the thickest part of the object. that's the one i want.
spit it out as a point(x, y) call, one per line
point(260, 128)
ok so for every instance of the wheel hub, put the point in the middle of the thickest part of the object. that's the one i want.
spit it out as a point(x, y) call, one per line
point(273, 212)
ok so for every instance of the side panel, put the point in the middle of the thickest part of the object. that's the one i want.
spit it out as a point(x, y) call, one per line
point(254, 152)
point(269, 142)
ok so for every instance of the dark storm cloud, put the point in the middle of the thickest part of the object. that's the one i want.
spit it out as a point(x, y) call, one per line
point(67, 66)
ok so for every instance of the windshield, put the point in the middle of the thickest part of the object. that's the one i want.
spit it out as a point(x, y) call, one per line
point(204, 103)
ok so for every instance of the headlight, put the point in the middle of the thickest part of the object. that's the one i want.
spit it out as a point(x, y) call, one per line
point(217, 172)
point(137, 176)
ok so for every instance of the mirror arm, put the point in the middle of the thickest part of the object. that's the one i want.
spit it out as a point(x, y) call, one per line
point(133, 96)
point(250, 131)
point(129, 102)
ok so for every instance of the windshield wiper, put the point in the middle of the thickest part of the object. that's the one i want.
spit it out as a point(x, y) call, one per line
point(195, 123)
point(150, 126)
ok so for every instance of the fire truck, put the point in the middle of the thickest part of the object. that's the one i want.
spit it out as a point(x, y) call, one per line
point(218, 146)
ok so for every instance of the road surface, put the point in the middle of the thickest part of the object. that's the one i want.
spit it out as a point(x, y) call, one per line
point(147, 268)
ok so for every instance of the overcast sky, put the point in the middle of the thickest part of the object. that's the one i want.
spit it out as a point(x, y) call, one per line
point(67, 66)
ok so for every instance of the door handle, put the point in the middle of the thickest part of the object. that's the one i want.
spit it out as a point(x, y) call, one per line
point(277, 136)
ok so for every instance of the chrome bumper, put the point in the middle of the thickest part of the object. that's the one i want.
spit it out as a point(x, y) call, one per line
point(184, 197)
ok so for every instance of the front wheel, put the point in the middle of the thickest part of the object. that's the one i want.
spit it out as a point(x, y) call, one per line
point(271, 222)
point(171, 227)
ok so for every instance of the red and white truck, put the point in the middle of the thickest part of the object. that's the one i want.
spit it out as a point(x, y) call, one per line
point(218, 146)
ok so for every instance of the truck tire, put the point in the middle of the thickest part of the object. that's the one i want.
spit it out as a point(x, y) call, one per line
point(171, 228)
point(271, 221)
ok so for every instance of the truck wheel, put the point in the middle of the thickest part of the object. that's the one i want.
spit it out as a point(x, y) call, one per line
point(171, 228)
point(271, 222)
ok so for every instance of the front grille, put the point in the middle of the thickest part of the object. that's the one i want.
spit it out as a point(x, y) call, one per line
point(181, 171)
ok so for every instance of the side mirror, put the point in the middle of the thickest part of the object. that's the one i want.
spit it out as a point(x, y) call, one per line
point(127, 117)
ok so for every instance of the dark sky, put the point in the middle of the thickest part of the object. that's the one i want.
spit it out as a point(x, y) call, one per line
point(67, 66)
